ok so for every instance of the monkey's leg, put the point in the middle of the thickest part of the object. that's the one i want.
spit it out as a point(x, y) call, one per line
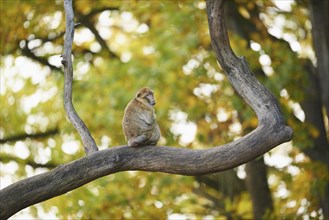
point(137, 141)
point(155, 136)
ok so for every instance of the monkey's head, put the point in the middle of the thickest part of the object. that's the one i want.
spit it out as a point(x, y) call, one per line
point(147, 95)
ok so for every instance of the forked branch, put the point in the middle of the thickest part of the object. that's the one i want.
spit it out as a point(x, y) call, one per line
point(239, 74)
point(87, 140)
point(270, 132)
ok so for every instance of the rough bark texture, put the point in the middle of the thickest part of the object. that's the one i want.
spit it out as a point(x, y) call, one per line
point(240, 76)
point(256, 175)
point(270, 132)
point(87, 140)
point(181, 161)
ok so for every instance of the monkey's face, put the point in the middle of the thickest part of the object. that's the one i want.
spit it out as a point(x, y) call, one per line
point(150, 98)
point(147, 95)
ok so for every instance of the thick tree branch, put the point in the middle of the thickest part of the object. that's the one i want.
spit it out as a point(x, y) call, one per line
point(270, 132)
point(240, 76)
point(181, 161)
point(87, 139)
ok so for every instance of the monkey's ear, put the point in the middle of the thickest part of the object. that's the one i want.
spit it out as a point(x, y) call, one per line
point(141, 92)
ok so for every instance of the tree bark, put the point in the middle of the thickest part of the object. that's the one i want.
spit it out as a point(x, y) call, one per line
point(319, 151)
point(87, 140)
point(256, 172)
point(317, 89)
point(271, 131)
point(319, 11)
point(173, 160)
point(256, 181)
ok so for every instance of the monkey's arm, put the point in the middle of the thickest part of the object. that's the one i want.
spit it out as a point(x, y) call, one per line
point(148, 118)
point(153, 140)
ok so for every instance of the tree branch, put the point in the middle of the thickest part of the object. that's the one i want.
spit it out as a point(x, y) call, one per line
point(5, 158)
point(173, 160)
point(23, 136)
point(320, 34)
point(88, 24)
point(87, 140)
point(86, 20)
point(240, 76)
point(271, 131)
point(28, 53)
point(99, 10)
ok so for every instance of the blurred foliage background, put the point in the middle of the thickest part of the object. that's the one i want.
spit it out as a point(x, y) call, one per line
point(121, 46)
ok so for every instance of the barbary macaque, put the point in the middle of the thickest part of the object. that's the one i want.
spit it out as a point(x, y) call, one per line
point(139, 121)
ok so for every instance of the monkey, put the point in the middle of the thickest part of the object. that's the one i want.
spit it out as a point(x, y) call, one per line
point(139, 121)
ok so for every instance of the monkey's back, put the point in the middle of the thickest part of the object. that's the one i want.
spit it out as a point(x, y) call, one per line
point(139, 119)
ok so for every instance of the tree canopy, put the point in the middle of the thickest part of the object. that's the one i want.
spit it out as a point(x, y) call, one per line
point(121, 46)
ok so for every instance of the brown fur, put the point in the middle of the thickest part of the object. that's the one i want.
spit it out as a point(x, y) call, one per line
point(139, 121)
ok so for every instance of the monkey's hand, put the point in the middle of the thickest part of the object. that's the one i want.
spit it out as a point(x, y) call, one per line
point(148, 119)
point(137, 141)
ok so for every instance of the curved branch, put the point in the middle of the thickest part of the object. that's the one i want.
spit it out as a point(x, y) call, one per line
point(239, 74)
point(270, 132)
point(87, 139)
point(173, 160)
